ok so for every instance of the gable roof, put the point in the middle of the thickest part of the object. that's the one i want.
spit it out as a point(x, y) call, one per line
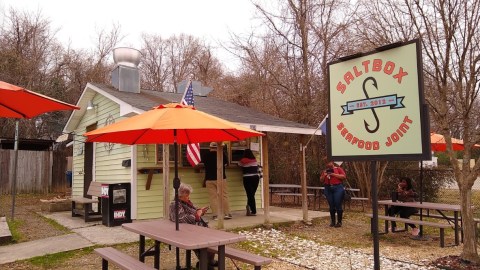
point(136, 103)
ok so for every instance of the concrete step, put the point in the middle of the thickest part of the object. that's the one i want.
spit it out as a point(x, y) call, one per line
point(5, 234)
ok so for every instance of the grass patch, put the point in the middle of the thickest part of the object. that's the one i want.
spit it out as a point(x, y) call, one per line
point(54, 224)
point(14, 226)
point(51, 261)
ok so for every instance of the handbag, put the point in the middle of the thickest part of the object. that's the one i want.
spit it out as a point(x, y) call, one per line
point(347, 196)
point(260, 172)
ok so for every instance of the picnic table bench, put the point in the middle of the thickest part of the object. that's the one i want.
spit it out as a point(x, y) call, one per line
point(363, 201)
point(243, 256)
point(120, 259)
point(319, 195)
point(296, 196)
point(95, 189)
point(441, 226)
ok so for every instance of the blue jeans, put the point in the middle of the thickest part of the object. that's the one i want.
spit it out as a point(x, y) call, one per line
point(334, 195)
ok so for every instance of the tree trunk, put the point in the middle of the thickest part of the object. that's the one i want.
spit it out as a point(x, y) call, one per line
point(469, 252)
point(362, 171)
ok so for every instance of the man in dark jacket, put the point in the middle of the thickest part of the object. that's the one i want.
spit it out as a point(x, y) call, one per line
point(210, 162)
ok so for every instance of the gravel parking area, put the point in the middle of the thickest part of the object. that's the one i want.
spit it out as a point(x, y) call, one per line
point(292, 246)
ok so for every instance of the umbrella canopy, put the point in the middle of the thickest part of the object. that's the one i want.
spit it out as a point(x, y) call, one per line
point(172, 123)
point(157, 126)
point(17, 102)
point(438, 143)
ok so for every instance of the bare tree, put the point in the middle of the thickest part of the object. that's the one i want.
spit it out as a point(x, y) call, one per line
point(155, 65)
point(288, 59)
point(451, 51)
point(168, 61)
point(32, 57)
point(28, 51)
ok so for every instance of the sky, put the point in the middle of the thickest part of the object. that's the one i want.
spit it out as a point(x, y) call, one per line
point(79, 21)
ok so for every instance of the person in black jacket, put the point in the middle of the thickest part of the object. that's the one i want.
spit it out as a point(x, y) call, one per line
point(210, 162)
point(405, 193)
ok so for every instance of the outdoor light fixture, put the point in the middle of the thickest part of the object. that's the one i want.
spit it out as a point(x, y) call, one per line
point(38, 124)
point(91, 106)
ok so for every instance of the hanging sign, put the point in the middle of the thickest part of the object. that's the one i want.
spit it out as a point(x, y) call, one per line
point(376, 106)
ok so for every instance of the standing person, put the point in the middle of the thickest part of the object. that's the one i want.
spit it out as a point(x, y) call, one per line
point(189, 213)
point(251, 179)
point(332, 179)
point(210, 163)
point(405, 193)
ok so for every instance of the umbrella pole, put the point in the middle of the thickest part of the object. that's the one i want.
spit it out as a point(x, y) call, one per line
point(15, 161)
point(176, 180)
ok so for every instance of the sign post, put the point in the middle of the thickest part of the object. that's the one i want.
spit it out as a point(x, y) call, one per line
point(376, 111)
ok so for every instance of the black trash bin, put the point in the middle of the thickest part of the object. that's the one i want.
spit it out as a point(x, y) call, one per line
point(116, 206)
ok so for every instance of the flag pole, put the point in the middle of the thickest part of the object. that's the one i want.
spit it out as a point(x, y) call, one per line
point(185, 91)
point(304, 175)
point(313, 134)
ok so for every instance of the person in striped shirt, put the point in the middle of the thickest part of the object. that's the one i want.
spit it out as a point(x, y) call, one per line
point(251, 179)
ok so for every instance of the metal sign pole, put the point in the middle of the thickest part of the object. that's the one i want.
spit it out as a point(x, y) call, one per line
point(376, 245)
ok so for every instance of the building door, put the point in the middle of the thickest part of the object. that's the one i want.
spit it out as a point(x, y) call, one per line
point(88, 163)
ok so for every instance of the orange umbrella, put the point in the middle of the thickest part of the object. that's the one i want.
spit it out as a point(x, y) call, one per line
point(171, 123)
point(18, 102)
point(438, 143)
point(158, 126)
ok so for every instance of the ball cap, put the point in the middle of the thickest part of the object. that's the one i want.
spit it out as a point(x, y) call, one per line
point(213, 144)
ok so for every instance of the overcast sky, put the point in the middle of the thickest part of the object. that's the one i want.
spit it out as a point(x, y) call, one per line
point(79, 21)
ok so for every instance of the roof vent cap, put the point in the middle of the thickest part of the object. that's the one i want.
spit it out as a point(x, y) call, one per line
point(126, 56)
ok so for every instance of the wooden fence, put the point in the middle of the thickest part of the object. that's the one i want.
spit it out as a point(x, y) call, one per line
point(38, 171)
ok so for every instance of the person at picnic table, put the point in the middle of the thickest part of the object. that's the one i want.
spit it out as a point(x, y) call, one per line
point(251, 179)
point(405, 193)
point(332, 178)
point(210, 162)
point(189, 213)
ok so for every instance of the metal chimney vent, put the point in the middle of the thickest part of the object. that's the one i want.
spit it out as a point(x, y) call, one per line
point(126, 75)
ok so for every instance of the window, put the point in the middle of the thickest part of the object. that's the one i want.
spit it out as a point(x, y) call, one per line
point(233, 151)
point(159, 153)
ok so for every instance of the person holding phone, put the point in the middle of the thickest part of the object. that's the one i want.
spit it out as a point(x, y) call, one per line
point(189, 213)
point(332, 178)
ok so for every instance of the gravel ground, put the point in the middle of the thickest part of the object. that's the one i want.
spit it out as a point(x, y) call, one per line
point(293, 246)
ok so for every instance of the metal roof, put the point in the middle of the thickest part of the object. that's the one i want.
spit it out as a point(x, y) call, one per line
point(147, 99)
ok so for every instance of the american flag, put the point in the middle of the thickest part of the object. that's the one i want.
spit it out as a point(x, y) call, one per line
point(193, 150)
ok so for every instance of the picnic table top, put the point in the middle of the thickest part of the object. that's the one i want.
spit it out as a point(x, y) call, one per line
point(188, 236)
point(424, 205)
point(308, 187)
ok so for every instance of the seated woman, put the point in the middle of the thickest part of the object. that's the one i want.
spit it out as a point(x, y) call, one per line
point(405, 194)
point(189, 213)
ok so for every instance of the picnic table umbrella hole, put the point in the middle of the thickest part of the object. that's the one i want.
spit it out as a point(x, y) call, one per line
point(20, 103)
point(172, 123)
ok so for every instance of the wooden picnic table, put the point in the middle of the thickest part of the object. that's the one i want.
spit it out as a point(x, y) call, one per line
point(283, 188)
point(318, 192)
point(294, 189)
point(189, 237)
point(438, 207)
